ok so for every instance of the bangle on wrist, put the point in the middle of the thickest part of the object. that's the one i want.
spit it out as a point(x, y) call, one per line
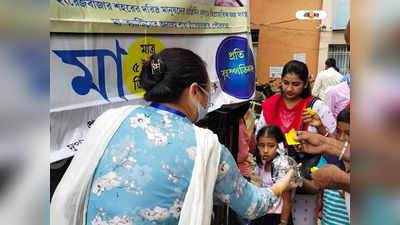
point(343, 150)
point(327, 132)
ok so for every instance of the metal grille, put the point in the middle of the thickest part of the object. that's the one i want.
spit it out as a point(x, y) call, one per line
point(342, 57)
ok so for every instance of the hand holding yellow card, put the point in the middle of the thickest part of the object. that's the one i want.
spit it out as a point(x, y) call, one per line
point(289, 137)
point(314, 169)
point(310, 111)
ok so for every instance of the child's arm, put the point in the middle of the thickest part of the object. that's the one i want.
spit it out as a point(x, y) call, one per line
point(287, 204)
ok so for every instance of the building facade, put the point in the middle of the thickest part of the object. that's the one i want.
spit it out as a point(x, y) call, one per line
point(278, 37)
point(282, 38)
point(332, 43)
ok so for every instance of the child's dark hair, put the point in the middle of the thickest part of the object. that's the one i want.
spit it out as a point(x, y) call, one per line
point(271, 132)
point(344, 116)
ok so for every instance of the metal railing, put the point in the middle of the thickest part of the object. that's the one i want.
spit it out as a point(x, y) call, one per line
point(342, 57)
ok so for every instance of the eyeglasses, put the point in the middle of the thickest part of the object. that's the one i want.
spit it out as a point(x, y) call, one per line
point(208, 96)
point(203, 90)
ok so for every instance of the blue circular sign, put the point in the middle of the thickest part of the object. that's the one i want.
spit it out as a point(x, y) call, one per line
point(235, 67)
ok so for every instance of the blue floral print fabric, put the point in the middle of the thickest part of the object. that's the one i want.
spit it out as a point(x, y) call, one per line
point(144, 173)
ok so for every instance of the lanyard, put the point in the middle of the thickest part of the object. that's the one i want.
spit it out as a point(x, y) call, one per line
point(166, 108)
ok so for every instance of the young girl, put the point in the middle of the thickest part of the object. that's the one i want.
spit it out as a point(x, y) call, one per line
point(267, 144)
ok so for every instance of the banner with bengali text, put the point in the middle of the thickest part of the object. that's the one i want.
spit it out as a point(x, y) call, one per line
point(97, 49)
point(90, 74)
point(146, 16)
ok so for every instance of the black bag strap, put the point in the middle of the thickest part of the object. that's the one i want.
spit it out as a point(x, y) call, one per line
point(310, 105)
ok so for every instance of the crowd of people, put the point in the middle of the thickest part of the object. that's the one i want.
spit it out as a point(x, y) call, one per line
point(152, 165)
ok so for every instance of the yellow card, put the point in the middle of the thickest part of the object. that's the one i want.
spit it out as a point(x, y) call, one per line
point(310, 111)
point(289, 137)
point(314, 169)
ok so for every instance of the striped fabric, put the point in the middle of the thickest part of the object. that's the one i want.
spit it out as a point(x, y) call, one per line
point(334, 209)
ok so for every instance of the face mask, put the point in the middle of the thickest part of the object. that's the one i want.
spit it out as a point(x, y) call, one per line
point(201, 111)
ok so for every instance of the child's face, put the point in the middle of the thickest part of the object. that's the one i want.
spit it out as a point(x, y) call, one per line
point(342, 132)
point(267, 148)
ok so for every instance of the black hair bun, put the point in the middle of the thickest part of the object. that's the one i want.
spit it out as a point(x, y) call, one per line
point(166, 75)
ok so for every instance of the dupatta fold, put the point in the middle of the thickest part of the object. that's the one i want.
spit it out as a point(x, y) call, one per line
point(69, 203)
point(274, 108)
point(198, 204)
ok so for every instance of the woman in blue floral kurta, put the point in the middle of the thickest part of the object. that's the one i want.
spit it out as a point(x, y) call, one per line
point(146, 168)
point(145, 171)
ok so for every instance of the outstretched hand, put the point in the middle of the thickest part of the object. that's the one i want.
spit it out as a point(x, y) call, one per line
point(312, 120)
point(310, 142)
point(284, 184)
point(327, 177)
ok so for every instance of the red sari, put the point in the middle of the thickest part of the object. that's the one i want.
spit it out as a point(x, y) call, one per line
point(276, 113)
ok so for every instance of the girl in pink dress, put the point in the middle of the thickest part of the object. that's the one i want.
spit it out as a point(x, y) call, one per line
point(267, 143)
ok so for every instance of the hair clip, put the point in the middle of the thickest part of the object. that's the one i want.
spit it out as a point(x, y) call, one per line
point(155, 66)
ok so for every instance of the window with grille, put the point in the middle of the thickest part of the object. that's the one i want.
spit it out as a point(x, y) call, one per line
point(254, 35)
point(342, 57)
point(254, 39)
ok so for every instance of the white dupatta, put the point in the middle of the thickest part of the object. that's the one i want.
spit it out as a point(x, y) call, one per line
point(69, 202)
point(197, 207)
